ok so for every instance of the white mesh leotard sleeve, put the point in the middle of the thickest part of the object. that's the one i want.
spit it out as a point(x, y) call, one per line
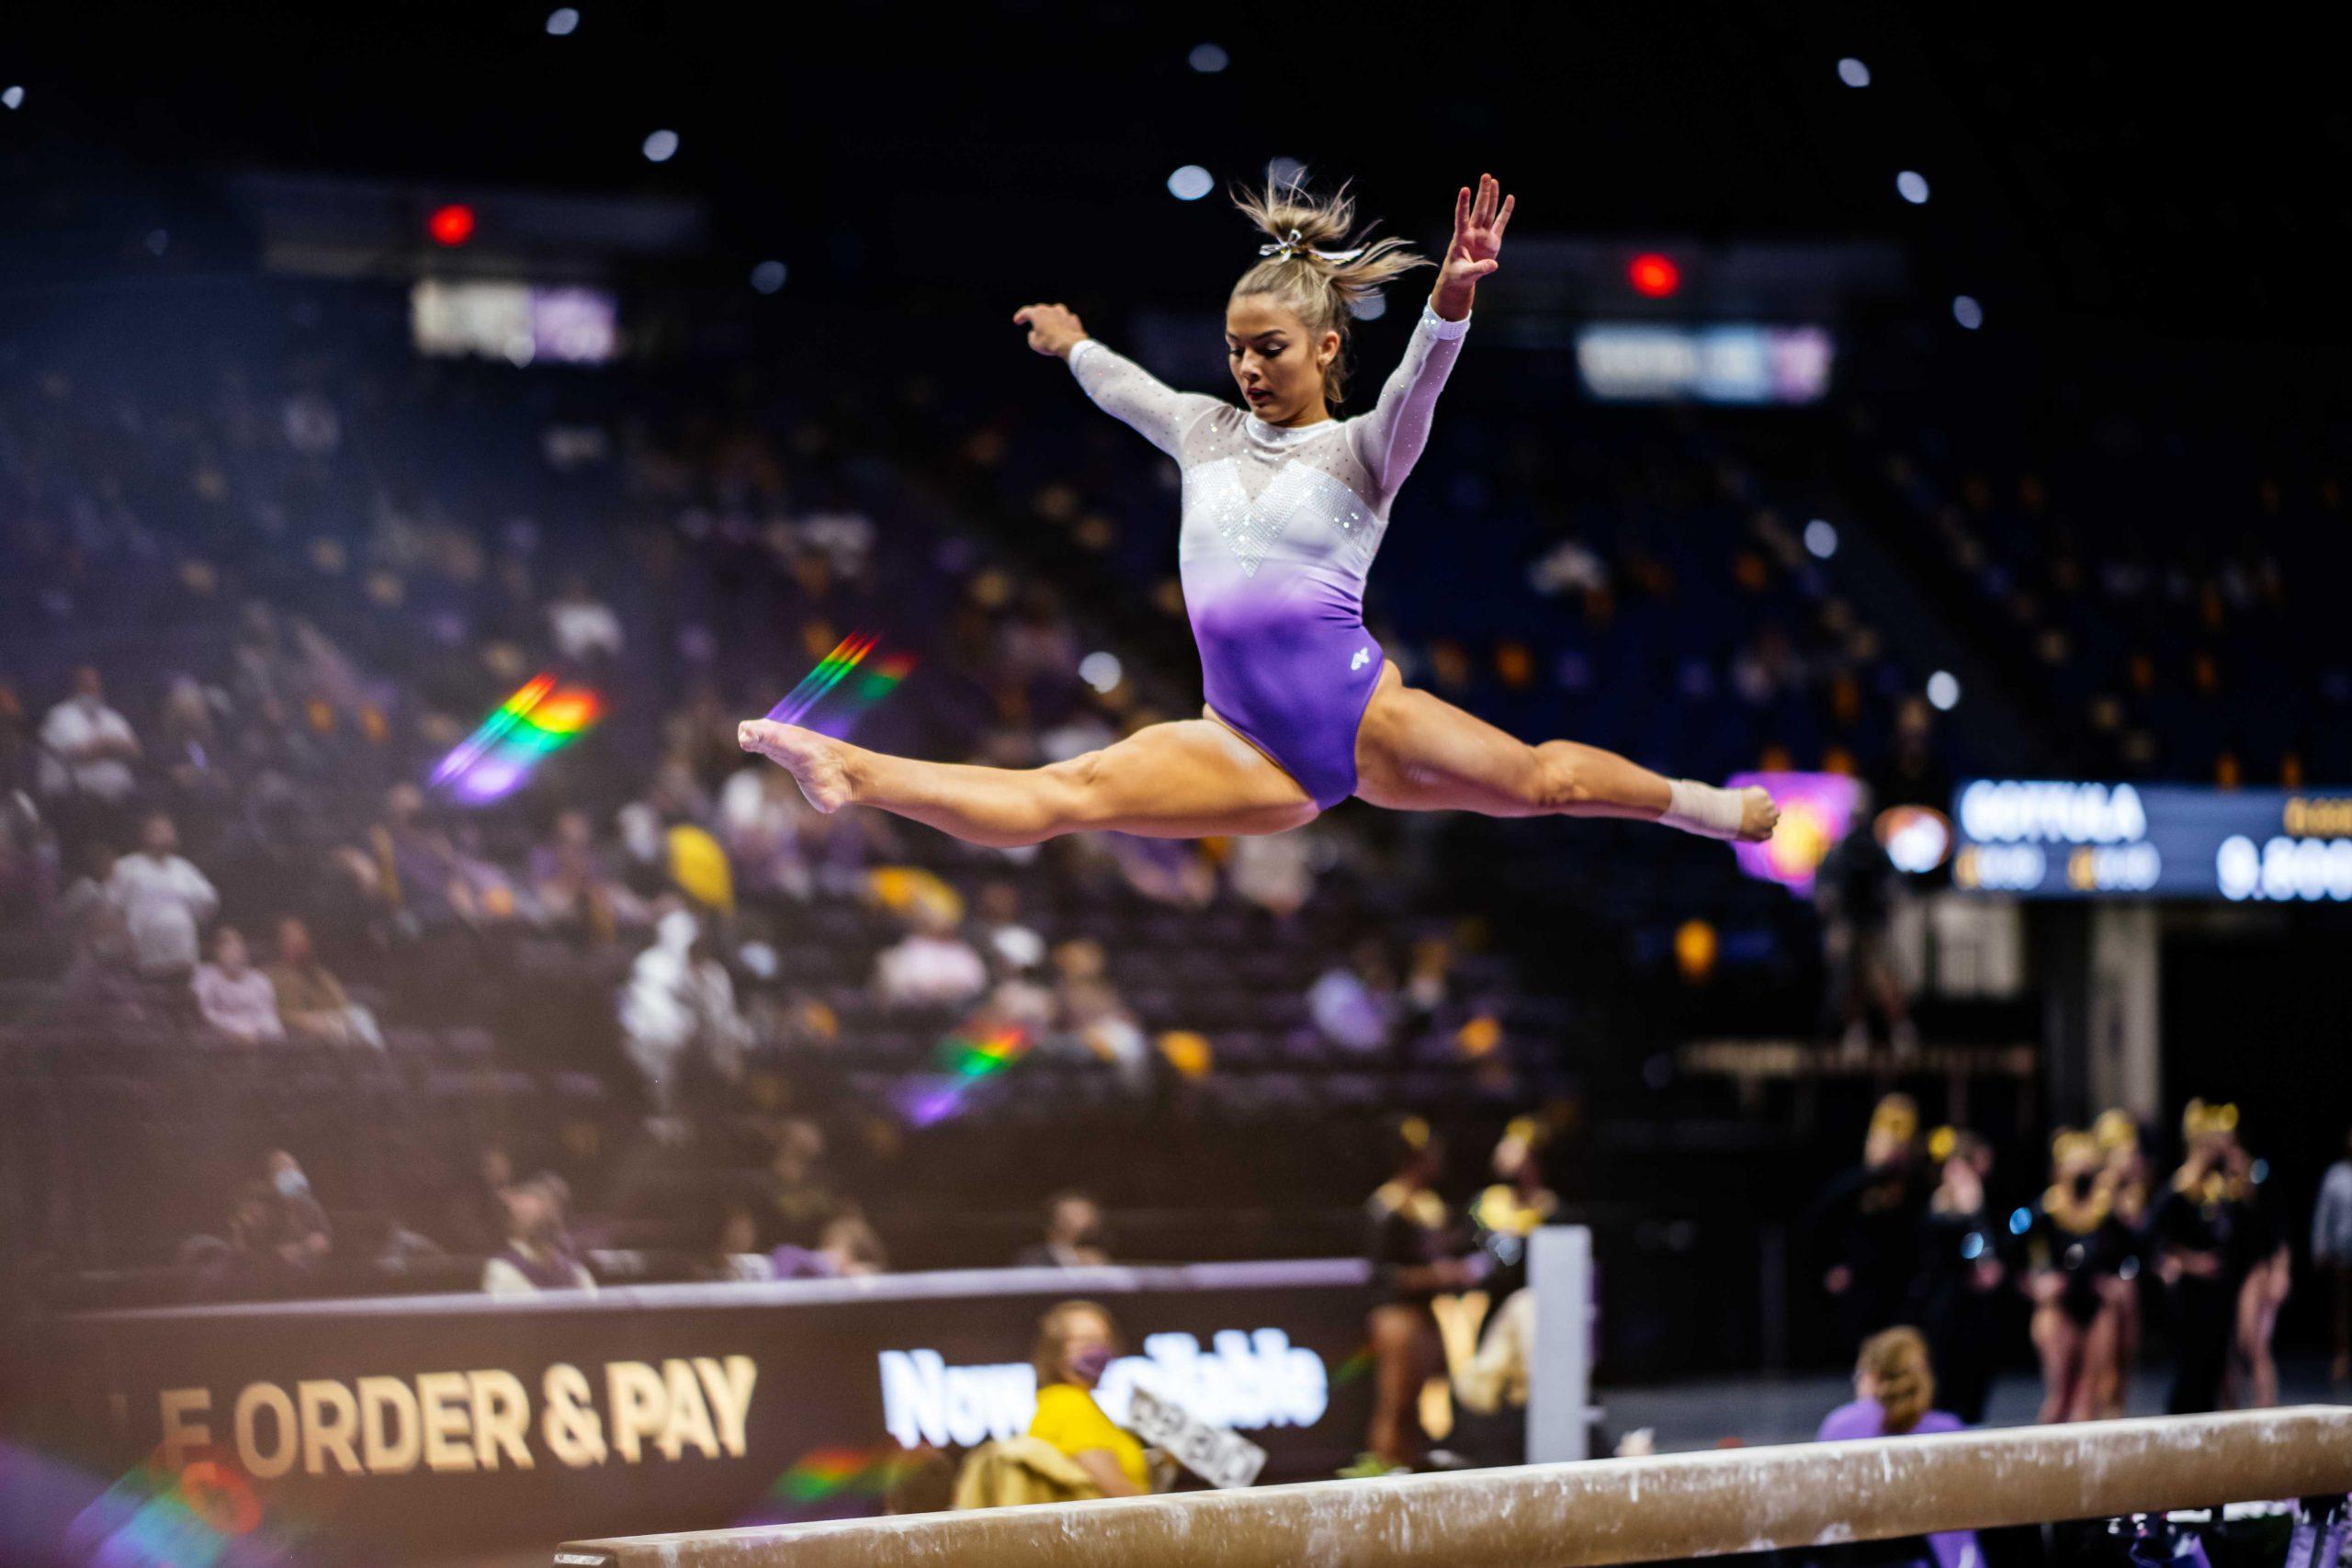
point(1389, 439)
point(1132, 394)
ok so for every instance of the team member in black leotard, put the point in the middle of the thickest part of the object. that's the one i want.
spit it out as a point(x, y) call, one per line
point(1515, 1207)
point(1966, 1262)
point(1490, 1383)
point(1865, 1226)
point(1416, 1248)
point(2127, 1178)
point(2074, 1247)
point(2195, 1227)
point(2260, 1261)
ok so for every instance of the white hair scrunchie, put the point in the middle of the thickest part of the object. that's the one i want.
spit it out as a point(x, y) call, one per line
point(1291, 244)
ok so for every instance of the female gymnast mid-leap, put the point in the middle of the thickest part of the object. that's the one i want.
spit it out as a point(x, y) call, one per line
point(1284, 507)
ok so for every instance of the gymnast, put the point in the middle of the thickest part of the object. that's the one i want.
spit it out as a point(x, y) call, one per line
point(1284, 507)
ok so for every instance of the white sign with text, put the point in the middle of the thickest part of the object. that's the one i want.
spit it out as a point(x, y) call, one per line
point(1216, 1456)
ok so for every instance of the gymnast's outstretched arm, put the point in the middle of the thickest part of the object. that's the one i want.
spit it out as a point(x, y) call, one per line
point(1118, 385)
point(1389, 439)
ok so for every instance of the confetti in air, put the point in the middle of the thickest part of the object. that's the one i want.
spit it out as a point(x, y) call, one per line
point(495, 759)
point(800, 705)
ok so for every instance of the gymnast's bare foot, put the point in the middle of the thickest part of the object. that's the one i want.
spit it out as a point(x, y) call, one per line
point(1758, 815)
point(816, 763)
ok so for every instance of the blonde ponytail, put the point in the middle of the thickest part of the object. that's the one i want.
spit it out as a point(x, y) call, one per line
point(1316, 264)
point(1901, 1380)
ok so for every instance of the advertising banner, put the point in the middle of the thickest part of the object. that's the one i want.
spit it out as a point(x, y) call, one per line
point(449, 1420)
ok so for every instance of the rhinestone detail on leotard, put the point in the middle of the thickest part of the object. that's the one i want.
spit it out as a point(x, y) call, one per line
point(1296, 496)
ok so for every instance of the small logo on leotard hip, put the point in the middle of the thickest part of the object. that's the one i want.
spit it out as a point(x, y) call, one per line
point(1362, 657)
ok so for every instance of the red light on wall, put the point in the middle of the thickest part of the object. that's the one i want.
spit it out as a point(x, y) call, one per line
point(1654, 276)
point(451, 225)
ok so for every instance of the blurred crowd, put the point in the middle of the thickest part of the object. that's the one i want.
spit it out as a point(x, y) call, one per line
point(260, 584)
point(2144, 564)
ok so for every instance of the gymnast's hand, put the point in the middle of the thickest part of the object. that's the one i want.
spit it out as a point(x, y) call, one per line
point(1053, 328)
point(1478, 224)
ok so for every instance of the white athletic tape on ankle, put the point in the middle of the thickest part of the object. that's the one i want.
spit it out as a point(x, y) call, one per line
point(1703, 809)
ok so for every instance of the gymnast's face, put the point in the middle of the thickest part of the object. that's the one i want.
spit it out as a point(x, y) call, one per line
point(1276, 362)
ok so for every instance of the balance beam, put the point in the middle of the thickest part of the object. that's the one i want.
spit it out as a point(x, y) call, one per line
point(1593, 1513)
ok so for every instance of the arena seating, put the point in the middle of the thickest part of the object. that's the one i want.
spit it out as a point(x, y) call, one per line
point(349, 555)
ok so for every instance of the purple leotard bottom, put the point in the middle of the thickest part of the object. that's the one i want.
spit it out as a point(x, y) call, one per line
point(1294, 678)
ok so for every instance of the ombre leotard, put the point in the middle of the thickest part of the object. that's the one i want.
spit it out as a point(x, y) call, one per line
point(1280, 526)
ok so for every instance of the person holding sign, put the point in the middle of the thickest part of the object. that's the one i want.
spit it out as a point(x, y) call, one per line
point(1075, 1342)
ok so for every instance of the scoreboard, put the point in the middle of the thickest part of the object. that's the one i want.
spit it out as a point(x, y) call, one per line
point(2051, 839)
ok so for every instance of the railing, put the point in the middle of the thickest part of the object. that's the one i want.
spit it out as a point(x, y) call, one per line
point(1594, 1514)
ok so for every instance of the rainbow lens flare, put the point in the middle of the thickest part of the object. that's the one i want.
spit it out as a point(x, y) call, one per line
point(203, 1515)
point(802, 700)
point(823, 1474)
point(965, 1058)
point(498, 758)
point(980, 1055)
point(878, 683)
point(799, 704)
